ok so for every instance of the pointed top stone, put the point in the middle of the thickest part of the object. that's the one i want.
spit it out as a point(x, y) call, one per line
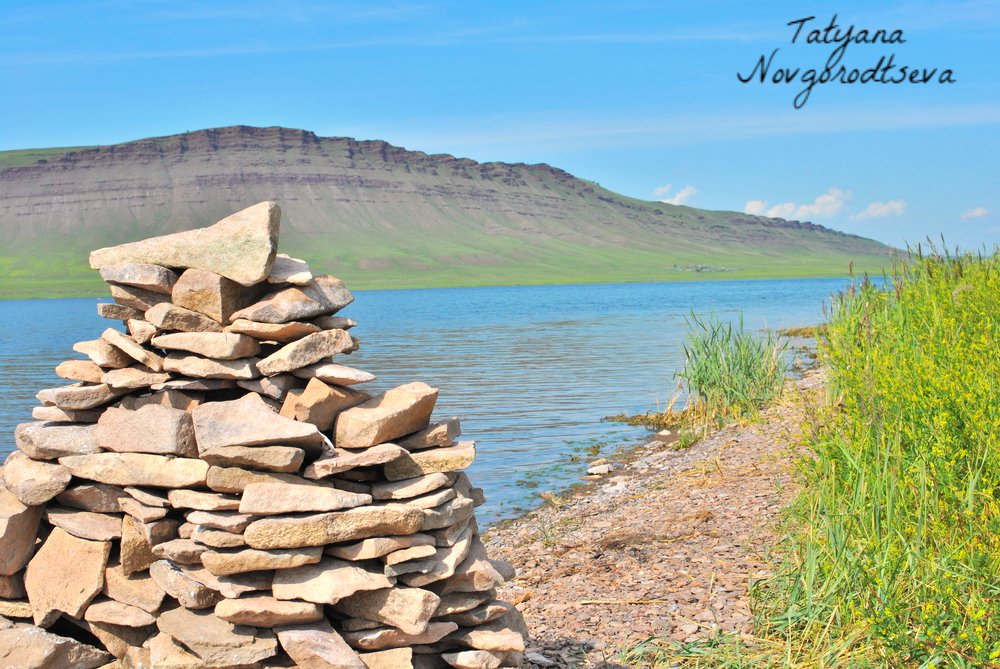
point(240, 247)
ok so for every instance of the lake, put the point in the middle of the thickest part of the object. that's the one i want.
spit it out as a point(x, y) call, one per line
point(530, 370)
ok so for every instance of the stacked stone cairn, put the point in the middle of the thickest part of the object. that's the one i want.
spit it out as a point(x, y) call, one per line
point(215, 491)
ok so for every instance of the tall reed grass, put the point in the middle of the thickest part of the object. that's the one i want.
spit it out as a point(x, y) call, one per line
point(733, 371)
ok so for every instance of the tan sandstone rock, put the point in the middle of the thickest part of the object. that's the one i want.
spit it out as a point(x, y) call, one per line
point(327, 581)
point(149, 429)
point(33, 482)
point(395, 413)
point(140, 469)
point(54, 589)
point(240, 247)
point(18, 527)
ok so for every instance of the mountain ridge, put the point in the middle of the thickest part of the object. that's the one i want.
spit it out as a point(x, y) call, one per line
point(379, 215)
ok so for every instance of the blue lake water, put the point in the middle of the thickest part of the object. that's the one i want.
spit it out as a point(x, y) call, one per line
point(530, 370)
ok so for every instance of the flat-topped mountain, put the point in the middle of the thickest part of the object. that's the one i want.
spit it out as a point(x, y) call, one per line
point(378, 215)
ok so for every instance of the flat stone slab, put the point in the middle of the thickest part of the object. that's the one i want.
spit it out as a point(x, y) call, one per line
point(279, 498)
point(215, 641)
point(230, 521)
point(54, 589)
point(328, 528)
point(409, 609)
point(323, 295)
point(328, 581)
point(264, 611)
point(97, 497)
point(49, 441)
point(236, 479)
point(391, 637)
point(282, 333)
point(376, 547)
point(203, 501)
point(117, 613)
point(274, 458)
point(240, 247)
point(34, 648)
point(318, 646)
point(343, 460)
point(80, 370)
point(168, 316)
point(79, 397)
point(474, 659)
point(216, 345)
point(33, 482)
point(133, 378)
point(330, 372)
point(57, 415)
point(102, 353)
point(249, 421)
point(140, 469)
point(395, 413)
point(507, 633)
point(149, 429)
point(412, 487)
point(434, 460)
point(138, 590)
point(117, 312)
point(306, 351)
point(137, 299)
point(18, 528)
point(141, 275)
point(229, 562)
point(197, 367)
point(85, 524)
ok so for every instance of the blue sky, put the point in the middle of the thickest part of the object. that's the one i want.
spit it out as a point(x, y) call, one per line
point(641, 97)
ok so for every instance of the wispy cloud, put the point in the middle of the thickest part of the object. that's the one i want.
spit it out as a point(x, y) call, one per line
point(574, 131)
point(882, 210)
point(680, 197)
point(660, 191)
point(827, 205)
point(976, 212)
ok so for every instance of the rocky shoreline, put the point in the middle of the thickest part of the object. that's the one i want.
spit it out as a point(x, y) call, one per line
point(667, 546)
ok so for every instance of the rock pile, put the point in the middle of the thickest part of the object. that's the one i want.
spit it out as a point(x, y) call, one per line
point(215, 491)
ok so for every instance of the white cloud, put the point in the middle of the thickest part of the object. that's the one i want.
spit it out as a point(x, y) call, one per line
point(826, 205)
point(976, 212)
point(682, 196)
point(662, 190)
point(883, 209)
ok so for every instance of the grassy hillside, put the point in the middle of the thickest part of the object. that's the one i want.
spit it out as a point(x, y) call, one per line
point(380, 216)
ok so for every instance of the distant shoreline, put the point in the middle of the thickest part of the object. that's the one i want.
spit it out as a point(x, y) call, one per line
point(688, 277)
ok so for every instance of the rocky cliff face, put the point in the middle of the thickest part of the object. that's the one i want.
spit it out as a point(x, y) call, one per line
point(396, 215)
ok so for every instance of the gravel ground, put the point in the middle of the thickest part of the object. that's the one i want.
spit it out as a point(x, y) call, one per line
point(666, 545)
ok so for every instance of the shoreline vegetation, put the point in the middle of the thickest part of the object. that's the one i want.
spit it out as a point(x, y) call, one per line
point(854, 522)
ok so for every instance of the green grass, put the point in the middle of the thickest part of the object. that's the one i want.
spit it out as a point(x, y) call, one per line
point(21, 157)
point(732, 370)
point(895, 557)
point(729, 373)
point(891, 554)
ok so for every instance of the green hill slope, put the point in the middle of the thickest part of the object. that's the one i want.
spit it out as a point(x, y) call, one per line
point(380, 216)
